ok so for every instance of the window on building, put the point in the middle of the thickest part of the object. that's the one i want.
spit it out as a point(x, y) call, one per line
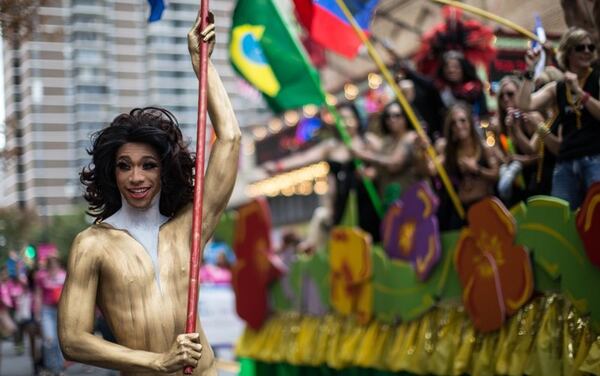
point(184, 7)
point(175, 74)
point(83, 2)
point(88, 57)
point(85, 36)
point(88, 107)
point(92, 89)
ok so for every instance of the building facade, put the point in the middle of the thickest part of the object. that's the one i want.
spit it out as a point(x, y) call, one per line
point(87, 61)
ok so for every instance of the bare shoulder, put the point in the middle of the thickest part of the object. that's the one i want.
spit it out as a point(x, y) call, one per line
point(87, 244)
point(373, 141)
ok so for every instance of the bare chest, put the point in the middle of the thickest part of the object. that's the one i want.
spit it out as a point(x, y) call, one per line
point(127, 262)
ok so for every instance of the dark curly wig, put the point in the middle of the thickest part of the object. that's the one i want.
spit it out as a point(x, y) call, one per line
point(153, 126)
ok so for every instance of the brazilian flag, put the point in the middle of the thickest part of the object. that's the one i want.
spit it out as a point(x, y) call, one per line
point(264, 50)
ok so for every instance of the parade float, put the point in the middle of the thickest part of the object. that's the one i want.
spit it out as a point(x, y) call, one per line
point(515, 292)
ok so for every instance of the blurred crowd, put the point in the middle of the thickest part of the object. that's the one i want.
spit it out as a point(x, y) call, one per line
point(29, 298)
point(542, 139)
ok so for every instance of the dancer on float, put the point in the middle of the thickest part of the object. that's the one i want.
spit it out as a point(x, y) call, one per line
point(576, 97)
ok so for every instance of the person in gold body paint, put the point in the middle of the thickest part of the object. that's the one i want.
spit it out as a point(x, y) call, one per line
point(133, 262)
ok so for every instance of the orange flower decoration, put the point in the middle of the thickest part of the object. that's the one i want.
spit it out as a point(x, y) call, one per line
point(495, 273)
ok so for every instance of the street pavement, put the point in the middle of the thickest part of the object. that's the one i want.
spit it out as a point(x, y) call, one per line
point(12, 364)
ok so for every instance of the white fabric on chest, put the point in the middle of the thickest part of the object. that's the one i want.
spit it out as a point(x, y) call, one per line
point(143, 225)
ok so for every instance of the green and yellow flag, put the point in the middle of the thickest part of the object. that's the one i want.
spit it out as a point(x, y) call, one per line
point(265, 50)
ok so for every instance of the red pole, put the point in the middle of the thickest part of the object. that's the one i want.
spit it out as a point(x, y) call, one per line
point(192, 304)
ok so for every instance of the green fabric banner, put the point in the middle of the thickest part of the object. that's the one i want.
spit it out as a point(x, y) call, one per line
point(251, 367)
point(265, 50)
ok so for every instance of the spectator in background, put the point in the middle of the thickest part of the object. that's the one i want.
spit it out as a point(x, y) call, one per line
point(398, 157)
point(218, 259)
point(288, 254)
point(517, 163)
point(216, 250)
point(457, 81)
point(16, 266)
point(425, 99)
point(29, 312)
point(471, 165)
point(50, 282)
point(289, 246)
point(343, 177)
point(578, 161)
point(542, 144)
point(17, 289)
point(218, 273)
point(7, 325)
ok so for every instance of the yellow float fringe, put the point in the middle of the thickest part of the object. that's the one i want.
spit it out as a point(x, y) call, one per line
point(546, 337)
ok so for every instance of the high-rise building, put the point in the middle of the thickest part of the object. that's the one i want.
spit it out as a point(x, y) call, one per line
point(86, 62)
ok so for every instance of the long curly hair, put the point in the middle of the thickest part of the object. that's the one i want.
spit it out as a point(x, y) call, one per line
point(153, 126)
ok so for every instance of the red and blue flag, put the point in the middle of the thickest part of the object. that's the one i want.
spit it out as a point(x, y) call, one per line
point(328, 26)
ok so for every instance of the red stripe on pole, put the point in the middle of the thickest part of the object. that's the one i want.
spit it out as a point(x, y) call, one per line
point(192, 304)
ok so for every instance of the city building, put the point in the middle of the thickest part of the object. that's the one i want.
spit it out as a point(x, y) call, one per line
point(86, 62)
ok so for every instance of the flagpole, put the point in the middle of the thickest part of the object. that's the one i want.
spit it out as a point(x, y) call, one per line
point(492, 17)
point(192, 303)
point(405, 105)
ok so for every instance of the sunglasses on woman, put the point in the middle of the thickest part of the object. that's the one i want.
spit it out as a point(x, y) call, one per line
point(583, 47)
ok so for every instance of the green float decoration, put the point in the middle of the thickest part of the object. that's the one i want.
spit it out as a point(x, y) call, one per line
point(547, 226)
point(422, 327)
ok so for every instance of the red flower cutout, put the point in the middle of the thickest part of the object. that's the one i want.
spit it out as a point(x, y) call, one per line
point(256, 266)
point(495, 273)
point(588, 224)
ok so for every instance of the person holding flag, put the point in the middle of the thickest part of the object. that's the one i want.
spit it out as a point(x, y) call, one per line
point(577, 98)
point(133, 261)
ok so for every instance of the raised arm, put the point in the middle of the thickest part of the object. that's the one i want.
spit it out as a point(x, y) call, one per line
point(76, 320)
point(317, 153)
point(527, 101)
point(538, 100)
point(223, 161)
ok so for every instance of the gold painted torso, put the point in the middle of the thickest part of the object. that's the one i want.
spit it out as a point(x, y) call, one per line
point(141, 315)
